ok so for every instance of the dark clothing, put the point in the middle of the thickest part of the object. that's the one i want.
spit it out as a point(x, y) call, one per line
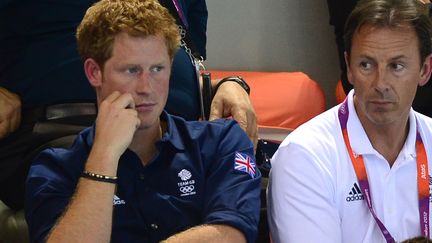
point(192, 180)
point(39, 61)
point(38, 53)
point(339, 11)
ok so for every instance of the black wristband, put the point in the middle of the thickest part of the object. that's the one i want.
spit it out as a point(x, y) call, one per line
point(101, 178)
point(236, 79)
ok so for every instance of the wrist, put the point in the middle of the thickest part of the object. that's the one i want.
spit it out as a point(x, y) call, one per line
point(99, 177)
point(102, 163)
point(237, 79)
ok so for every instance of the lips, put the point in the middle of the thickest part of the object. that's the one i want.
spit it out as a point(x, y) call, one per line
point(380, 102)
point(145, 106)
point(381, 105)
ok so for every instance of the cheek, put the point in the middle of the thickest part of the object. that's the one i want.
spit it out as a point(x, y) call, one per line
point(358, 80)
point(162, 85)
point(163, 89)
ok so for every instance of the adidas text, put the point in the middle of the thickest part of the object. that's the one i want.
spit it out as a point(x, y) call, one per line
point(354, 198)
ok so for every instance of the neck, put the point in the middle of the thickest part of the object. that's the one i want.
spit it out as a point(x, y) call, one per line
point(144, 141)
point(388, 142)
point(389, 138)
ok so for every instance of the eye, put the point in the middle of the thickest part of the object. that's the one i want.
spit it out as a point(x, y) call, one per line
point(133, 70)
point(365, 65)
point(156, 69)
point(397, 66)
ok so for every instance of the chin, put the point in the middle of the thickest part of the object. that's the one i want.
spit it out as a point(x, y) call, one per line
point(381, 118)
point(148, 123)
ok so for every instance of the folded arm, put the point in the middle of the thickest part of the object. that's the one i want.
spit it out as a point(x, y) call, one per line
point(10, 112)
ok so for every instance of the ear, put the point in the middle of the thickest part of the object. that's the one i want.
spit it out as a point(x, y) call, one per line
point(93, 72)
point(425, 72)
point(347, 64)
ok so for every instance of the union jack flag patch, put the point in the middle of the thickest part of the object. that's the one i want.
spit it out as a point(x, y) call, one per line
point(245, 163)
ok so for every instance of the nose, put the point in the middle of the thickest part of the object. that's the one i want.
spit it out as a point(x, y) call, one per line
point(380, 82)
point(144, 84)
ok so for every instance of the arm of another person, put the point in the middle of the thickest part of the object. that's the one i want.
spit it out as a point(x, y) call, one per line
point(232, 100)
point(10, 112)
point(88, 217)
point(300, 197)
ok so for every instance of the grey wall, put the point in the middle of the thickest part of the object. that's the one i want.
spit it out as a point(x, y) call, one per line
point(274, 35)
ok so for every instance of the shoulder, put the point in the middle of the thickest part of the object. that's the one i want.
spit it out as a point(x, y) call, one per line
point(64, 163)
point(316, 134)
point(209, 130)
point(315, 146)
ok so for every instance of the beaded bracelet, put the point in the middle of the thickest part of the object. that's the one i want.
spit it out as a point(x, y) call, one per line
point(97, 177)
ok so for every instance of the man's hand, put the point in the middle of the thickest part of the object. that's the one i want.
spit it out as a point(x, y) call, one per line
point(232, 100)
point(116, 124)
point(10, 112)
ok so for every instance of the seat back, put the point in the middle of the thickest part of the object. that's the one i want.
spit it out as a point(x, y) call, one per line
point(281, 100)
point(339, 92)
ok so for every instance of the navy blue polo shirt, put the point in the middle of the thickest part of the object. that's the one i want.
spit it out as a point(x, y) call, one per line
point(192, 180)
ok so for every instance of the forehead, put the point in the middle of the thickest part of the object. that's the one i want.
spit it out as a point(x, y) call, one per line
point(390, 41)
point(126, 42)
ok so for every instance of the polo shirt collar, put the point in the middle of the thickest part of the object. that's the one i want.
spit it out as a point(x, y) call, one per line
point(171, 136)
point(88, 135)
point(359, 140)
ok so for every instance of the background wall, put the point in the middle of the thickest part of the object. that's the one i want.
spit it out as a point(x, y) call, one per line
point(274, 35)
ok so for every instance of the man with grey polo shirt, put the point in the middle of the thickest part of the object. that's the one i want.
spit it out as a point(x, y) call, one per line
point(359, 172)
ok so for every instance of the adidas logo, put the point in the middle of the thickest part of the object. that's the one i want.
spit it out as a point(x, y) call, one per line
point(355, 194)
point(118, 201)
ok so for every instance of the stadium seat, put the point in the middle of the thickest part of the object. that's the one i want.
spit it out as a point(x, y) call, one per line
point(339, 92)
point(282, 102)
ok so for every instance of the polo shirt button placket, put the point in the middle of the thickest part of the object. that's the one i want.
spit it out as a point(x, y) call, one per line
point(154, 226)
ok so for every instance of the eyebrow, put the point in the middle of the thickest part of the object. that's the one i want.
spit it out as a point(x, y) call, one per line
point(392, 59)
point(398, 57)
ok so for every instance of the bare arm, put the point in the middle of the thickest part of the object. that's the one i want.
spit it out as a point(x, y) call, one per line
point(208, 234)
point(232, 100)
point(89, 215)
point(88, 218)
point(10, 112)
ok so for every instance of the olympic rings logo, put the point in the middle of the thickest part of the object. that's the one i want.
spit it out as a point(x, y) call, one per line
point(187, 189)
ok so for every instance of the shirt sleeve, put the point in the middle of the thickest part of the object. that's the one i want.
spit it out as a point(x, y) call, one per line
point(233, 195)
point(301, 197)
point(49, 188)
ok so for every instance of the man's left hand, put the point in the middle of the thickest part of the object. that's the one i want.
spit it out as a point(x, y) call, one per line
point(232, 100)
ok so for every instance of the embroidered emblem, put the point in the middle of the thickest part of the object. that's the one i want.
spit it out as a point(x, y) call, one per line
point(244, 163)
